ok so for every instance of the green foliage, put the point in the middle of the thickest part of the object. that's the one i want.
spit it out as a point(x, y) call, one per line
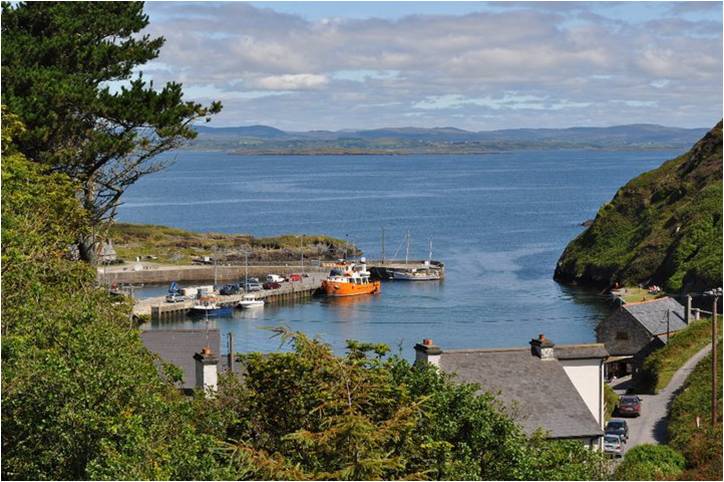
point(81, 396)
point(650, 462)
point(664, 226)
point(660, 366)
point(701, 446)
point(362, 416)
point(67, 71)
point(610, 399)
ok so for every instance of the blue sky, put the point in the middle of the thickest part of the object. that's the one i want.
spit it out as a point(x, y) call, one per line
point(473, 65)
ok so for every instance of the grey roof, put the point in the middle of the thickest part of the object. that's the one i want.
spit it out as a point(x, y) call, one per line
point(652, 314)
point(539, 392)
point(178, 347)
point(582, 351)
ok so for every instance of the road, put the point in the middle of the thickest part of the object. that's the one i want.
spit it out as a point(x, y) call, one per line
point(650, 427)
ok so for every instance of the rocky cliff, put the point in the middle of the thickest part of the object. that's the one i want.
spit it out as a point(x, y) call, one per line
point(663, 227)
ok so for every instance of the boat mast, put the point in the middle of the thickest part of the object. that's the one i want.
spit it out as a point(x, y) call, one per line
point(429, 257)
point(383, 245)
point(215, 270)
point(407, 247)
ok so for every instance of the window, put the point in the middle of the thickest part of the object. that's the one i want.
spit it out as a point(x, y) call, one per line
point(621, 335)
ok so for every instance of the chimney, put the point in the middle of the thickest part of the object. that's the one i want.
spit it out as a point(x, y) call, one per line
point(542, 347)
point(687, 312)
point(427, 352)
point(206, 370)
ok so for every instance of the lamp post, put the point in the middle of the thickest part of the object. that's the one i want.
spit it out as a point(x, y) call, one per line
point(715, 293)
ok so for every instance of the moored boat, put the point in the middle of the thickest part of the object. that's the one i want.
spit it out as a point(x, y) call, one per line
point(209, 306)
point(349, 279)
point(250, 301)
point(425, 274)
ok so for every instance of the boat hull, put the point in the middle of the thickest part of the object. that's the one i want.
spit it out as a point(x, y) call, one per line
point(336, 288)
point(213, 312)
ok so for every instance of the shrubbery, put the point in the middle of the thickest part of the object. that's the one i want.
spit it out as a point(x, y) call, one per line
point(651, 462)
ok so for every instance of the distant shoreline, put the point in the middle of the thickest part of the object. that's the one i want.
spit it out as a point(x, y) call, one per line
point(423, 153)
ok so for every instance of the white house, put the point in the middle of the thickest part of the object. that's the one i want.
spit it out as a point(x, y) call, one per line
point(558, 388)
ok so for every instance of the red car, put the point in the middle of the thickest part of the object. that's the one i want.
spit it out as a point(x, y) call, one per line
point(629, 405)
point(295, 277)
point(271, 285)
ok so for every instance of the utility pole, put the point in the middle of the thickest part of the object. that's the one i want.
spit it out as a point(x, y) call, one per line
point(301, 249)
point(714, 386)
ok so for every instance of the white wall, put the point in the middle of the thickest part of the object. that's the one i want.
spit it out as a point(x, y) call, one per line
point(587, 377)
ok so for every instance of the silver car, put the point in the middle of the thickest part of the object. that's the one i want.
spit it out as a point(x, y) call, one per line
point(613, 445)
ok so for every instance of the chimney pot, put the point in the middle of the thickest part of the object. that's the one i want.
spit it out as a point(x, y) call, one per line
point(427, 341)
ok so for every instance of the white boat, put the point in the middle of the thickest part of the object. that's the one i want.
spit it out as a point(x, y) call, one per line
point(250, 301)
point(416, 275)
point(208, 306)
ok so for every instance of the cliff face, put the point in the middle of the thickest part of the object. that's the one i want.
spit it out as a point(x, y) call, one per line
point(663, 227)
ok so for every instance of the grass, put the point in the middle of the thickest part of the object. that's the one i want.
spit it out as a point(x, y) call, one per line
point(661, 365)
point(177, 246)
point(665, 226)
point(702, 445)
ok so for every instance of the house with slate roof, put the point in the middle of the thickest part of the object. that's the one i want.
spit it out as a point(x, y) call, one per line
point(635, 330)
point(196, 352)
point(557, 388)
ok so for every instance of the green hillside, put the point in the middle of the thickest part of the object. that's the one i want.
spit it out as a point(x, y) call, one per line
point(663, 227)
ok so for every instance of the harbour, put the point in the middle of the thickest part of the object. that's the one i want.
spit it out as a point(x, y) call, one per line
point(497, 222)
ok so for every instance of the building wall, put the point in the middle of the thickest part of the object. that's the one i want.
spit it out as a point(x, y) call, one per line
point(587, 376)
point(622, 334)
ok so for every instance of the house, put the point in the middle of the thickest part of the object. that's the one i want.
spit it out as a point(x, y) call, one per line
point(195, 352)
point(634, 330)
point(107, 253)
point(558, 388)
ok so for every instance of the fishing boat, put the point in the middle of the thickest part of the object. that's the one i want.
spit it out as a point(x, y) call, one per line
point(209, 306)
point(349, 279)
point(250, 301)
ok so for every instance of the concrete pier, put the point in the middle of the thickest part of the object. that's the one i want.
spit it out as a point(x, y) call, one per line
point(158, 309)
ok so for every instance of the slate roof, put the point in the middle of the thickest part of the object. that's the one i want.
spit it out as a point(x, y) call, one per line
point(580, 352)
point(652, 314)
point(178, 347)
point(539, 392)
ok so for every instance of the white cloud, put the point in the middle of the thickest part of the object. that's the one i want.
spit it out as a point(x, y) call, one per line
point(540, 64)
point(291, 82)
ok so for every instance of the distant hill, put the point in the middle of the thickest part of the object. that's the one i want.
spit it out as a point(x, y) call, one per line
point(259, 139)
point(663, 227)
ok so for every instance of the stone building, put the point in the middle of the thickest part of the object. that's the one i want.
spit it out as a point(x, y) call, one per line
point(558, 388)
point(634, 330)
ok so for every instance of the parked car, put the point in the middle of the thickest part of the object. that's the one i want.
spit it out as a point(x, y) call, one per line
point(271, 285)
point(231, 289)
point(618, 427)
point(613, 445)
point(295, 277)
point(252, 285)
point(175, 298)
point(629, 405)
point(274, 278)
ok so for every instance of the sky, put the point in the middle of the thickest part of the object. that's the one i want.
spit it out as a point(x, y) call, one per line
point(473, 65)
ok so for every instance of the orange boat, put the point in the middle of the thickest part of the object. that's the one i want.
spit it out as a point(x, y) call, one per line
point(350, 280)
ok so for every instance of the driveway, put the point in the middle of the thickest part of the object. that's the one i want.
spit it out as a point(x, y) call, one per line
point(650, 427)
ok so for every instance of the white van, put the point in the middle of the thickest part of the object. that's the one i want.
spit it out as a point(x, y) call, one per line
point(274, 278)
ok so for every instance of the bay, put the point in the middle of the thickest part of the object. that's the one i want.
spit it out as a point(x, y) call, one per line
point(499, 222)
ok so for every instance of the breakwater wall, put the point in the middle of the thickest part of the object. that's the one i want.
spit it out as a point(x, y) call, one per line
point(148, 273)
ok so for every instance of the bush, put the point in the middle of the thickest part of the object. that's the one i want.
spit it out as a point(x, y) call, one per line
point(651, 462)
point(610, 399)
